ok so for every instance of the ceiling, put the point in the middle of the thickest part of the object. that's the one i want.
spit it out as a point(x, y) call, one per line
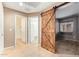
point(30, 7)
point(33, 7)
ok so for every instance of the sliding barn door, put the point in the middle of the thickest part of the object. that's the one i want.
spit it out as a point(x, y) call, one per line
point(48, 30)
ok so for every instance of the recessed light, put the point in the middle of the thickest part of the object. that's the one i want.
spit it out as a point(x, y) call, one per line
point(21, 4)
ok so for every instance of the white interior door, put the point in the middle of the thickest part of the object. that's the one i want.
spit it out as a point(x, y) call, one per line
point(1, 28)
point(20, 28)
point(33, 36)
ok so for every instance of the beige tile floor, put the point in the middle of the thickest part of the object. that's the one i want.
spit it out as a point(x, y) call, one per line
point(24, 50)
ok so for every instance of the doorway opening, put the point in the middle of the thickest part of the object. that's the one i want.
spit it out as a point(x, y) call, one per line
point(67, 21)
point(20, 31)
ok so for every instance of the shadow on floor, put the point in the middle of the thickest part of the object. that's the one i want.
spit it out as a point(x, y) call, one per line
point(67, 47)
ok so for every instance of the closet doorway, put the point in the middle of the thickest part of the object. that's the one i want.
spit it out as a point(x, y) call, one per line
point(20, 35)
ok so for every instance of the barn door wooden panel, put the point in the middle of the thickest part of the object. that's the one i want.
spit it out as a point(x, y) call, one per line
point(48, 30)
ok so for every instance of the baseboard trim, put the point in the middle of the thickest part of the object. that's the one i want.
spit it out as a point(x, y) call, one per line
point(9, 47)
point(1, 52)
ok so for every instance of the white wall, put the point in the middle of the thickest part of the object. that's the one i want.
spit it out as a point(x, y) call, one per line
point(24, 29)
point(57, 26)
point(28, 30)
point(1, 27)
point(67, 10)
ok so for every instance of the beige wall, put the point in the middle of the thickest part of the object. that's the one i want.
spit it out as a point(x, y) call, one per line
point(8, 28)
point(9, 25)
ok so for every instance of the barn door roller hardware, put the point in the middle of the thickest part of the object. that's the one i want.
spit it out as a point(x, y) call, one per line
point(61, 5)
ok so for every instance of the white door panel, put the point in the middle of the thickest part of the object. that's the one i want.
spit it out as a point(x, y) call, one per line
point(33, 30)
point(1, 27)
